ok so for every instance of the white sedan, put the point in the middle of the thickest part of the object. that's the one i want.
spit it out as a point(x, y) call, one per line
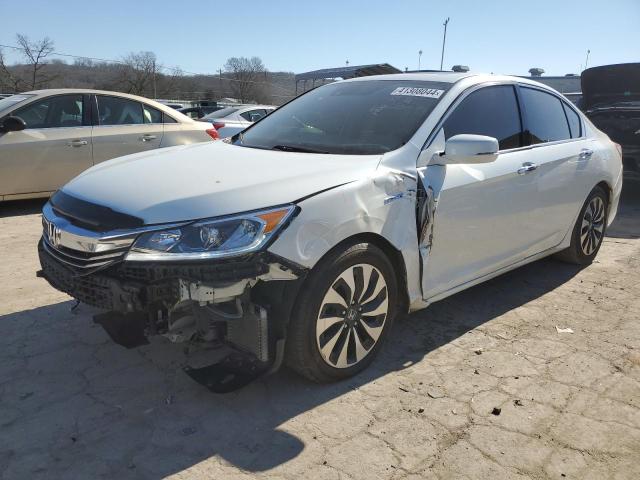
point(302, 239)
point(47, 137)
point(232, 120)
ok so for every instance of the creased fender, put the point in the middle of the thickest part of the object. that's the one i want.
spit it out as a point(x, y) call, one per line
point(382, 203)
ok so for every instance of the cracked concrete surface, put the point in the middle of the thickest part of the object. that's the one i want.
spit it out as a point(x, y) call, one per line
point(75, 405)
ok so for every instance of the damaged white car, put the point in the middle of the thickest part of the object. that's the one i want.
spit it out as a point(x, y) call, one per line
point(302, 238)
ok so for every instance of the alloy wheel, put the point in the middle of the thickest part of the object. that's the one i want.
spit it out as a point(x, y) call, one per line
point(592, 228)
point(352, 316)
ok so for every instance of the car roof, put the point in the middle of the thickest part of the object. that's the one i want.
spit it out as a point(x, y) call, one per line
point(447, 77)
point(466, 79)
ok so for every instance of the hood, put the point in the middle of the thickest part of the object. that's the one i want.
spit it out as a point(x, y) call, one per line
point(212, 179)
point(609, 84)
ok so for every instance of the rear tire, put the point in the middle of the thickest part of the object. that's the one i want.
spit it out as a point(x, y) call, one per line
point(589, 230)
point(343, 314)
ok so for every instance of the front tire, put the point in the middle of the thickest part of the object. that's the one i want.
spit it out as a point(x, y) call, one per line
point(589, 230)
point(343, 314)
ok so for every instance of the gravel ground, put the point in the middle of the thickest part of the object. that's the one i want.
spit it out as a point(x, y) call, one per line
point(481, 385)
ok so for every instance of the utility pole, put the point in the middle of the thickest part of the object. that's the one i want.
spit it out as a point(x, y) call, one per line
point(220, 82)
point(419, 58)
point(586, 61)
point(444, 41)
point(155, 92)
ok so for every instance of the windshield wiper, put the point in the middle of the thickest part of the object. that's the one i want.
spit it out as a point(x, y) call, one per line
point(292, 148)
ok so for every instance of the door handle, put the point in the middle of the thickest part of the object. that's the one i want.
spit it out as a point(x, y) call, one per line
point(147, 138)
point(527, 167)
point(77, 143)
point(585, 154)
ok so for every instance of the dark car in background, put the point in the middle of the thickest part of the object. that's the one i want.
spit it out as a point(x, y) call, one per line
point(611, 100)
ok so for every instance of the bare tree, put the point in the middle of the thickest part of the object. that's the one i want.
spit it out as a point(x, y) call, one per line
point(8, 79)
point(35, 53)
point(247, 77)
point(138, 73)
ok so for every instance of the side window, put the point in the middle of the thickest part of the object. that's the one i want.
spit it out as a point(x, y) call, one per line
point(254, 115)
point(151, 115)
point(53, 112)
point(119, 111)
point(168, 118)
point(546, 121)
point(574, 121)
point(491, 111)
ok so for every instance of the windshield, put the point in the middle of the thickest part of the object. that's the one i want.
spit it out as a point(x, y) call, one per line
point(357, 118)
point(12, 100)
point(225, 112)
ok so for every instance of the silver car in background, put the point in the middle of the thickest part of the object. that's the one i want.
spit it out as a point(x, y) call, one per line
point(232, 120)
point(47, 137)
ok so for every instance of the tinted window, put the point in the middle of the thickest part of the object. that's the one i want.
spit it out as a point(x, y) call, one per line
point(574, 121)
point(151, 115)
point(168, 119)
point(490, 111)
point(253, 115)
point(119, 111)
point(546, 121)
point(53, 112)
point(354, 117)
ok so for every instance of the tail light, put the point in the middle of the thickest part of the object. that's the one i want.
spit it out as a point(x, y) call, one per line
point(218, 125)
point(213, 133)
point(619, 148)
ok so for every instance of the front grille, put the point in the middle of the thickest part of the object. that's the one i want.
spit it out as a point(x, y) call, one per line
point(99, 291)
point(104, 288)
point(83, 260)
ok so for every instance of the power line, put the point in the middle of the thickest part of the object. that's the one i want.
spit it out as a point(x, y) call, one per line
point(159, 67)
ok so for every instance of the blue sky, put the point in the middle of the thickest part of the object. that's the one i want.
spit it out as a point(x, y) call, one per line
point(491, 36)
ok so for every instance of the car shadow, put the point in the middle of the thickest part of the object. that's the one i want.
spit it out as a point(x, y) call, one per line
point(16, 208)
point(74, 403)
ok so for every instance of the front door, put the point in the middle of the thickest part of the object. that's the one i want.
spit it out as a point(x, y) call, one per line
point(54, 148)
point(483, 212)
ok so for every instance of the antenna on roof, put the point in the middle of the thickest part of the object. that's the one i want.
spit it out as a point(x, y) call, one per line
point(444, 41)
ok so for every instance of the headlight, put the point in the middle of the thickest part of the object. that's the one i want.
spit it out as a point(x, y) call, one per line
point(211, 238)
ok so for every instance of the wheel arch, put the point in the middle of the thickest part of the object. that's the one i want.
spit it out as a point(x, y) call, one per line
point(393, 254)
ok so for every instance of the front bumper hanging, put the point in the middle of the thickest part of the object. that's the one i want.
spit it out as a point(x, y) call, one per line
point(144, 299)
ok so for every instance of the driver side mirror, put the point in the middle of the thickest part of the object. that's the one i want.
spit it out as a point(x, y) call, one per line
point(467, 149)
point(12, 124)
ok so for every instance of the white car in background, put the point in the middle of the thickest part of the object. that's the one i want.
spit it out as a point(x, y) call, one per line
point(47, 137)
point(303, 238)
point(232, 120)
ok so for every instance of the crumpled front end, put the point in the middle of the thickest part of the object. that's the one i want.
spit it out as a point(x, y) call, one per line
point(239, 304)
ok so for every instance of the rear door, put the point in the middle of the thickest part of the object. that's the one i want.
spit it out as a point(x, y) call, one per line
point(483, 215)
point(124, 126)
point(561, 154)
point(54, 148)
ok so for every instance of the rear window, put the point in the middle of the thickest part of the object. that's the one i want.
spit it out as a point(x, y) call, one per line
point(574, 121)
point(546, 120)
point(354, 117)
point(225, 112)
point(119, 111)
